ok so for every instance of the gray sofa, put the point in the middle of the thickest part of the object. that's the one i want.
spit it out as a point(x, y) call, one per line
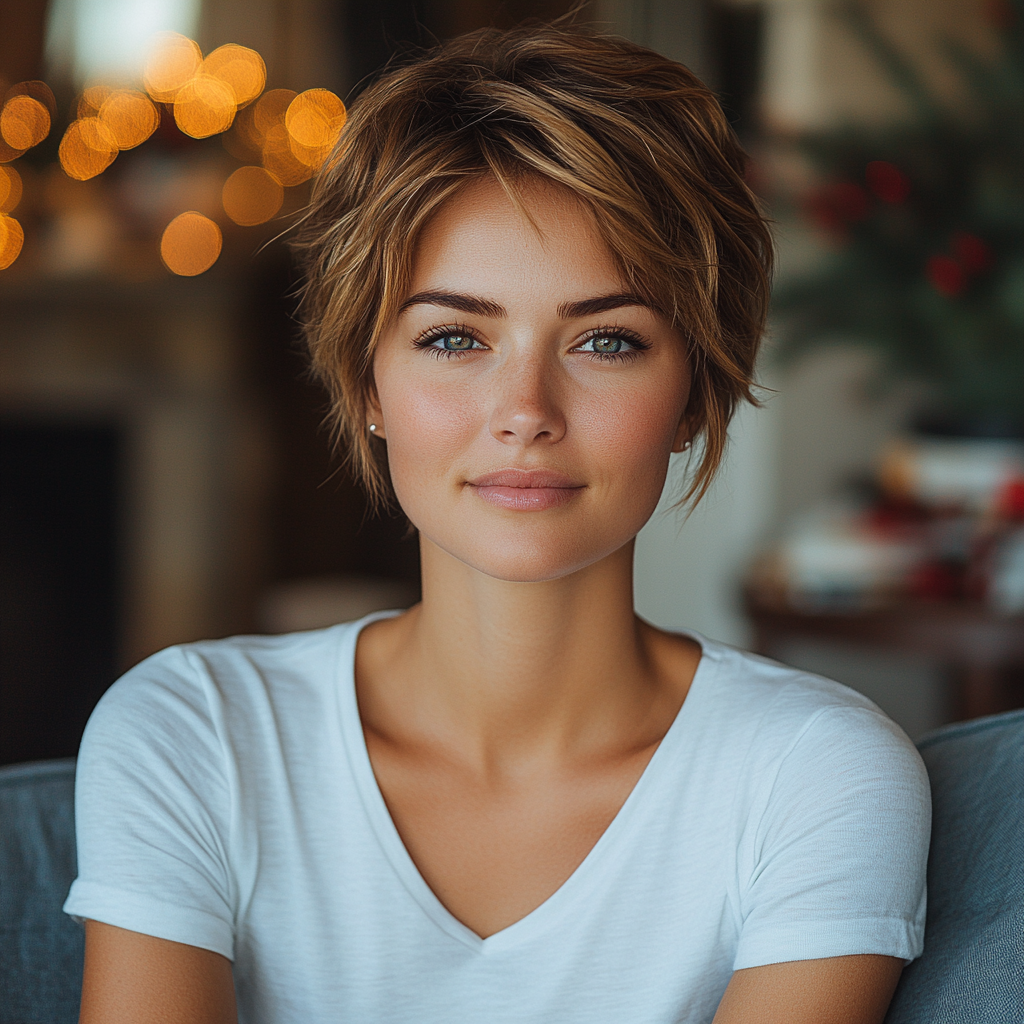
point(972, 970)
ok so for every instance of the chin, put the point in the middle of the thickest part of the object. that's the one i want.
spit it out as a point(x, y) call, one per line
point(538, 557)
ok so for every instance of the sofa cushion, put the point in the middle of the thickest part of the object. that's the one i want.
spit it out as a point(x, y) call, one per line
point(41, 948)
point(972, 969)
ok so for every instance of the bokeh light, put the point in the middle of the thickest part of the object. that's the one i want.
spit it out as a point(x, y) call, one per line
point(24, 122)
point(8, 153)
point(252, 196)
point(190, 244)
point(12, 238)
point(174, 60)
point(87, 149)
point(271, 110)
point(92, 99)
point(279, 159)
point(240, 68)
point(204, 106)
point(10, 189)
point(315, 118)
point(131, 117)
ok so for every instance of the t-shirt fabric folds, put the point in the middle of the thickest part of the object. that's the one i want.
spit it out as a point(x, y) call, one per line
point(225, 799)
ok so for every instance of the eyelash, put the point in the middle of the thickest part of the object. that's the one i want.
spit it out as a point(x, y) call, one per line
point(636, 343)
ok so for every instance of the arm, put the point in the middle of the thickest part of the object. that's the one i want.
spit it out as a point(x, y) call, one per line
point(132, 978)
point(834, 990)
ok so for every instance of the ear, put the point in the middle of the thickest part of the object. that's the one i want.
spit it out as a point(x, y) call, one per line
point(684, 435)
point(372, 413)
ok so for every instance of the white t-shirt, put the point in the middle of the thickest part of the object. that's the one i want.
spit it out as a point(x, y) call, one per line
point(225, 799)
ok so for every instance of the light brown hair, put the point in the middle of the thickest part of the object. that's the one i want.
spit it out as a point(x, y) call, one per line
point(635, 136)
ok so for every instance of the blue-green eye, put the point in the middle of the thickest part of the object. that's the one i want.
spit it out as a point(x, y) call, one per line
point(447, 343)
point(455, 342)
point(609, 344)
point(604, 344)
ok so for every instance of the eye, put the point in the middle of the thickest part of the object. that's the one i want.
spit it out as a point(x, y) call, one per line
point(603, 343)
point(448, 342)
point(456, 342)
point(611, 344)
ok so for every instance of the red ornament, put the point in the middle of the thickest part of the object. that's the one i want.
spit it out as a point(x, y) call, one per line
point(1011, 500)
point(887, 181)
point(935, 581)
point(971, 253)
point(945, 275)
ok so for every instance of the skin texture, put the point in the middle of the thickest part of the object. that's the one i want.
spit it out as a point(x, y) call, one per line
point(509, 715)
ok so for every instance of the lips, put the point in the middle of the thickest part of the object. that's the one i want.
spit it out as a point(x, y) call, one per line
point(526, 490)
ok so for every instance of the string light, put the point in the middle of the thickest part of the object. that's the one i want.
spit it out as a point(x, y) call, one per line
point(10, 189)
point(24, 122)
point(288, 134)
point(12, 238)
point(204, 106)
point(174, 60)
point(251, 196)
point(240, 68)
point(87, 149)
point(190, 244)
point(131, 117)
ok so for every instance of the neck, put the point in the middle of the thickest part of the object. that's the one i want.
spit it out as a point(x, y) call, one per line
point(508, 668)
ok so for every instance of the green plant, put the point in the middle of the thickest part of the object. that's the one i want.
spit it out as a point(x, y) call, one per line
point(928, 220)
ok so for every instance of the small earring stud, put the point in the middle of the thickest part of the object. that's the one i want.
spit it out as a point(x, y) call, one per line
point(373, 428)
point(686, 445)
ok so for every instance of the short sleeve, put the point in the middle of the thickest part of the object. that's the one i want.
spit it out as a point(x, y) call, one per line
point(152, 809)
point(838, 857)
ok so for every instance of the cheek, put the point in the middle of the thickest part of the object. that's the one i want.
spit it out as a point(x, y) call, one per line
point(428, 424)
point(633, 429)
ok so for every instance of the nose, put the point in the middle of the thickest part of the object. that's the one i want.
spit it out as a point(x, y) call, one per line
point(527, 409)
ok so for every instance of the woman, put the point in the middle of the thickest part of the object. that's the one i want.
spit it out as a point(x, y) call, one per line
point(534, 272)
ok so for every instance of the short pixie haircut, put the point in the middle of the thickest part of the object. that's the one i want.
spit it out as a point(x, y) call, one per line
point(636, 137)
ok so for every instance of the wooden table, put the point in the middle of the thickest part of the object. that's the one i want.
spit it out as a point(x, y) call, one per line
point(982, 651)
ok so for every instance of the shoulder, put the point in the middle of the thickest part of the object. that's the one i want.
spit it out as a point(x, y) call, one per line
point(195, 688)
point(784, 722)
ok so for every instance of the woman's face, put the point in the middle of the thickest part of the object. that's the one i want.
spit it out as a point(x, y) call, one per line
point(528, 401)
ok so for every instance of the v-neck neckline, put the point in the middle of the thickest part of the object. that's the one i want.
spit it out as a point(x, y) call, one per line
point(609, 845)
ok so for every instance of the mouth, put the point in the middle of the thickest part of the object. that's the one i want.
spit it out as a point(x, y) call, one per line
point(526, 490)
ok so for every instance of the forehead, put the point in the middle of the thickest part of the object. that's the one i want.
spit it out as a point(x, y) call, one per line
point(484, 237)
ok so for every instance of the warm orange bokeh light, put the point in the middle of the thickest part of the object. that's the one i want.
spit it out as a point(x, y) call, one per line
point(92, 99)
point(24, 122)
point(190, 244)
point(11, 239)
point(8, 153)
point(271, 109)
point(240, 68)
point(131, 117)
point(87, 149)
point(10, 189)
point(175, 60)
point(204, 106)
point(315, 118)
point(252, 196)
point(279, 159)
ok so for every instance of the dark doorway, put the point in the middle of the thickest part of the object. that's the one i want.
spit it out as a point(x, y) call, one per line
point(59, 582)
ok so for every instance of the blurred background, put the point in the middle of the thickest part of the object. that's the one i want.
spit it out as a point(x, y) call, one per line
point(165, 473)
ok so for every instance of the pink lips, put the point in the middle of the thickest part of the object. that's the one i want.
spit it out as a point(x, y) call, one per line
point(525, 490)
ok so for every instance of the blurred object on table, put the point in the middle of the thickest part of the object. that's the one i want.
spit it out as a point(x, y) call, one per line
point(925, 560)
point(943, 520)
point(316, 603)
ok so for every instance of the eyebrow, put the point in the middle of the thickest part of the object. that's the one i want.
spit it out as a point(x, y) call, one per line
point(478, 306)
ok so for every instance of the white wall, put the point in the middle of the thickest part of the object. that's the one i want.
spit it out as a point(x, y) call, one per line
point(687, 570)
